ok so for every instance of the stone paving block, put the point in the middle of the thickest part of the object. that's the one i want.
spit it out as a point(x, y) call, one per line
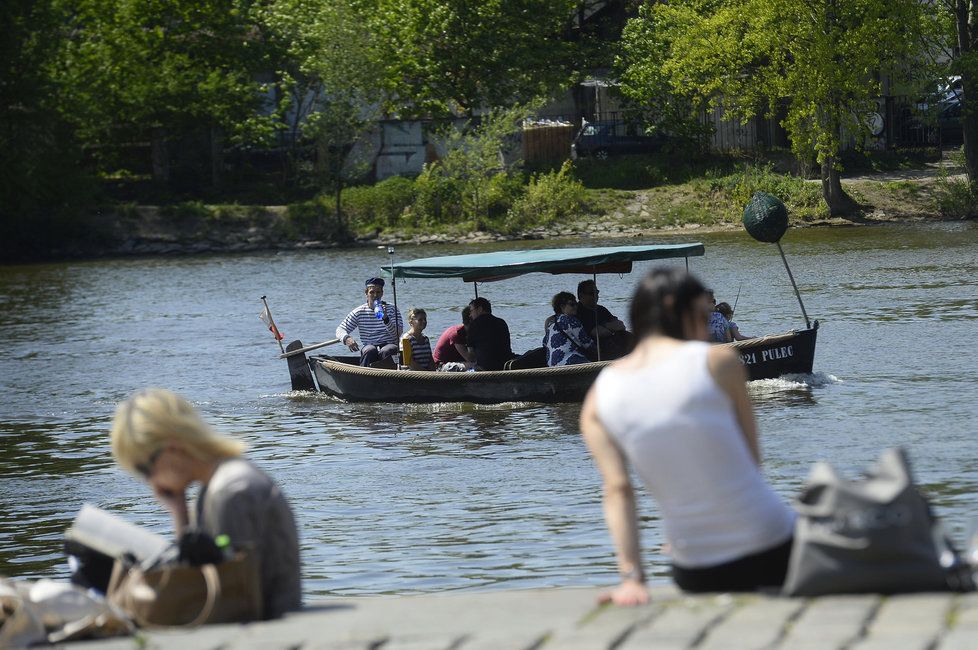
point(604, 628)
point(963, 633)
point(908, 622)
point(830, 622)
point(757, 622)
point(433, 641)
point(682, 622)
point(208, 637)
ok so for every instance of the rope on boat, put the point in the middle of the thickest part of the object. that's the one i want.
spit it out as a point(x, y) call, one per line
point(589, 368)
point(482, 375)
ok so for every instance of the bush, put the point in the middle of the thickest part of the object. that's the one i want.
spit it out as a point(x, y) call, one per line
point(549, 197)
point(437, 199)
point(955, 198)
point(313, 219)
point(381, 205)
point(800, 196)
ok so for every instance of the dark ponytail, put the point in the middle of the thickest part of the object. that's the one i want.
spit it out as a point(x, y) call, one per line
point(661, 302)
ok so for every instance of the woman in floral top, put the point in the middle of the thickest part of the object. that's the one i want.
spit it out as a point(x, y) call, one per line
point(566, 341)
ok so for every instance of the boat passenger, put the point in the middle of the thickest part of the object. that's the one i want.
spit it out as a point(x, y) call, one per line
point(567, 341)
point(719, 326)
point(616, 340)
point(378, 335)
point(676, 409)
point(451, 346)
point(488, 337)
point(727, 311)
point(421, 358)
point(158, 436)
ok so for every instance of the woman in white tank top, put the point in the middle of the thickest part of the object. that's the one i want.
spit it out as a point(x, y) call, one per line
point(677, 410)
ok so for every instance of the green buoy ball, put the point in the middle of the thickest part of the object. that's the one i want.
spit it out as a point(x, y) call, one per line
point(765, 217)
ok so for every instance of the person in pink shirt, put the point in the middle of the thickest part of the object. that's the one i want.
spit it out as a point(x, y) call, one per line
point(451, 345)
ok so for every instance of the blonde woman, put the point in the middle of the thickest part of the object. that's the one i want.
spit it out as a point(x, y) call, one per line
point(158, 436)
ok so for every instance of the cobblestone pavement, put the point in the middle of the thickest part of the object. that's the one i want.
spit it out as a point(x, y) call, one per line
point(570, 619)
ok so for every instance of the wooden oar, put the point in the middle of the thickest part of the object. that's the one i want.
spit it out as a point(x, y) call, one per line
point(292, 353)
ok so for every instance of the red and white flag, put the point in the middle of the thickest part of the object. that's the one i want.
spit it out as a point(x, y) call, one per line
point(266, 318)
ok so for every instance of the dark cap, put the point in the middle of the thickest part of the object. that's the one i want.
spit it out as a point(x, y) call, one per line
point(375, 282)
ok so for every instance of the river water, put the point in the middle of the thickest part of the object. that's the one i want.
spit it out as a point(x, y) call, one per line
point(400, 499)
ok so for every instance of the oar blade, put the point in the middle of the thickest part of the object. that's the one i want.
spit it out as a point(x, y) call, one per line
point(299, 369)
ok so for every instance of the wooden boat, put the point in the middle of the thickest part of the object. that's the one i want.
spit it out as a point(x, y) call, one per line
point(342, 376)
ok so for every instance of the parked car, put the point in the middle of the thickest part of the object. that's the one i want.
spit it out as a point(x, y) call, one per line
point(602, 139)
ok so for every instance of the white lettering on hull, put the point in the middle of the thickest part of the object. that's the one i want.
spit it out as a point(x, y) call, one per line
point(784, 352)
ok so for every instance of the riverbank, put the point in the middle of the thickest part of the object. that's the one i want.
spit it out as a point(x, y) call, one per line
point(710, 203)
point(568, 619)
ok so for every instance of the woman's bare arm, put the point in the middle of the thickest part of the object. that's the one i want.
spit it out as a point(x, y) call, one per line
point(619, 507)
point(731, 375)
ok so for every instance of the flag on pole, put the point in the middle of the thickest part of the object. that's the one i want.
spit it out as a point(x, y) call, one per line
point(266, 318)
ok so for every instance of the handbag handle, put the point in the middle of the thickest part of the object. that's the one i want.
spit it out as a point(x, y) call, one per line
point(213, 583)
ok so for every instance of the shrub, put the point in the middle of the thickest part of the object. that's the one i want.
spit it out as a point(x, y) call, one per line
point(955, 198)
point(313, 219)
point(549, 197)
point(800, 196)
point(381, 205)
point(437, 198)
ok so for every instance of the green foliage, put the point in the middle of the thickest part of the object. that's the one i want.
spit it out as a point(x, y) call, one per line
point(470, 181)
point(445, 57)
point(749, 56)
point(313, 219)
point(379, 206)
point(797, 194)
point(955, 198)
point(550, 197)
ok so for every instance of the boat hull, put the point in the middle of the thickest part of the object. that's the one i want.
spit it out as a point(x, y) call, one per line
point(765, 358)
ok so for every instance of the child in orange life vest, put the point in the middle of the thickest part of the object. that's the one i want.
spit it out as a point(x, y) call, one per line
point(415, 346)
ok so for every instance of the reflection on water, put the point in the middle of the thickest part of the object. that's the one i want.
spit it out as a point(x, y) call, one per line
point(408, 498)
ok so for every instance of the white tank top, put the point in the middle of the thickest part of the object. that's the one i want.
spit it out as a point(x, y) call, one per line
point(678, 429)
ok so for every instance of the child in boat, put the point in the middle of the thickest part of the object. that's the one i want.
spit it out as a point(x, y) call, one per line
point(421, 358)
point(727, 312)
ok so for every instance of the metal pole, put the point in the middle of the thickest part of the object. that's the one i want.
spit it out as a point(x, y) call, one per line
point(687, 264)
point(475, 285)
point(274, 326)
point(597, 338)
point(808, 324)
point(390, 251)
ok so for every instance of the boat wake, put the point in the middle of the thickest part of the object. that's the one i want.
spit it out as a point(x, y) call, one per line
point(792, 382)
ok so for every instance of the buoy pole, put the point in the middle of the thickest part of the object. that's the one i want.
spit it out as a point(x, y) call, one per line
point(808, 324)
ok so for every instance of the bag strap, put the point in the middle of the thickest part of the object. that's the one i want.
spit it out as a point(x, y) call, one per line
point(211, 580)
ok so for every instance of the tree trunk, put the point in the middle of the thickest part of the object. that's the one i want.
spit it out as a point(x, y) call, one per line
point(160, 155)
point(963, 12)
point(840, 203)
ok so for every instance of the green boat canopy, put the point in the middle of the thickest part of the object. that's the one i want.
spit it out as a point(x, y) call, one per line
point(487, 267)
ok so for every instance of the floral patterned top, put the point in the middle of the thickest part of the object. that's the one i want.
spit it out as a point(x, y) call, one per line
point(719, 327)
point(561, 337)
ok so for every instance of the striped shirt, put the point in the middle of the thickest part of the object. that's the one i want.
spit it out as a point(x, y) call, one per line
point(373, 331)
point(421, 351)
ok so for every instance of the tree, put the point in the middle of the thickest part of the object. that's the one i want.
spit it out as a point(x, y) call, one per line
point(955, 43)
point(450, 57)
point(162, 67)
point(822, 58)
point(335, 85)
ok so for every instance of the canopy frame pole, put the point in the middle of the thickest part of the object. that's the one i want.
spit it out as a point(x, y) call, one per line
point(687, 264)
point(808, 324)
point(390, 251)
point(475, 285)
point(597, 336)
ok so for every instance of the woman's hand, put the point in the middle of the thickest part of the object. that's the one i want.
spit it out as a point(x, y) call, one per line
point(176, 505)
point(628, 594)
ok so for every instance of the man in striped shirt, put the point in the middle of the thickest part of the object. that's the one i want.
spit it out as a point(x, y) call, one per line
point(379, 330)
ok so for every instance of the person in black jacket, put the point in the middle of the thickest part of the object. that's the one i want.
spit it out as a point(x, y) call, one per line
point(488, 337)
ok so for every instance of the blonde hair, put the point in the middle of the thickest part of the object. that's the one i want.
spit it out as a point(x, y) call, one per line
point(155, 417)
point(414, 312)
